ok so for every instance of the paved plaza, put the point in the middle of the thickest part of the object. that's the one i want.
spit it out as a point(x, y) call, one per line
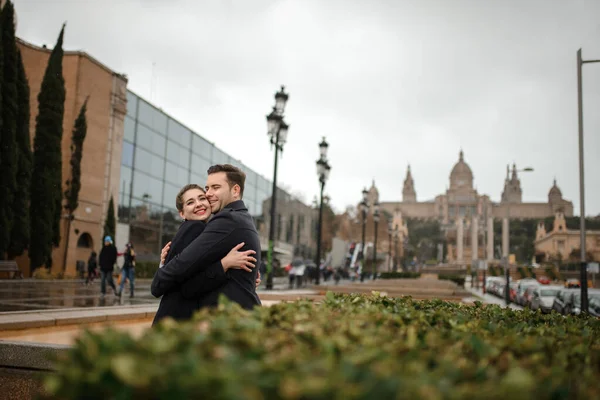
point(31, 295)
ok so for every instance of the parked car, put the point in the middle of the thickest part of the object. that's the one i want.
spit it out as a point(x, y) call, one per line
point(543, 297)
point(513, 291)
point(520, 298)
point(573, 302)
point(560, 300)
point(572, 283)
point(594, 307)
point(544, 280)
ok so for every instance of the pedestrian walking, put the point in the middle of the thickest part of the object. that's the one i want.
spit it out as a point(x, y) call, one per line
point(107, 260)
point(128, 270)
point(92, 264)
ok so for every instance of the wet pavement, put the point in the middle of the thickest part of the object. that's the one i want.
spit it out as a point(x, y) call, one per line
point(31, 295)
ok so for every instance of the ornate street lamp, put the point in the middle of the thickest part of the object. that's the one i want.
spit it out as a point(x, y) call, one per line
point(277, 130)
point(323, 169)
point(376, 220)
point(390, 232)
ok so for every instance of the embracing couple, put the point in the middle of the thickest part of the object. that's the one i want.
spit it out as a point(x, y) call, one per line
point(207, 259)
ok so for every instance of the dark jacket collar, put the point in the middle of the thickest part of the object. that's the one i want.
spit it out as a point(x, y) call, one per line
point(237, 205)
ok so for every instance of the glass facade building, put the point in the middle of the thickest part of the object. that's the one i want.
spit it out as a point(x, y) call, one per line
point(160, 155)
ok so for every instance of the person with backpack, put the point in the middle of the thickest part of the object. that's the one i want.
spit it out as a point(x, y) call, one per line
point(92, 264)
point(107, 260)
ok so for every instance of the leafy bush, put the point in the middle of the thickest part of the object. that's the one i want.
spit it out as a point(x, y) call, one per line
point(145, 269)
point(459, 280)
point(400, 275)
point(348, 347)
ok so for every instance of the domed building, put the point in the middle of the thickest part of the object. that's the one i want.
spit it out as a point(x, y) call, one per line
point(467, 216)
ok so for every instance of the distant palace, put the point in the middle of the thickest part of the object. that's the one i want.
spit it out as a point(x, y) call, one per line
point(461, 209)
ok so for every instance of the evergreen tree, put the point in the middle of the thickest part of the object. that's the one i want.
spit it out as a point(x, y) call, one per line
point(4, 227)
point(46, 191)
point(19, 237)
point(74, 184)
point(110, 223)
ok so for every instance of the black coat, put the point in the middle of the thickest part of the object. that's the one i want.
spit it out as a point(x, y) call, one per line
point(228, 228)
point(173, 304)
point(107, 258)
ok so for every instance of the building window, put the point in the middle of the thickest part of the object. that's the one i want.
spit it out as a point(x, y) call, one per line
point(85, 241)
point(149, 163)
point(561, 245)
point(127, 154)
point(179, 133)
point(152, 118)
point(202, 147)
point(129, 129)
point(150, 140)
point(132, 101)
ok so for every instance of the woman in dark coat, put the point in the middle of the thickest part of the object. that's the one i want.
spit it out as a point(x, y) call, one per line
point(194, 208)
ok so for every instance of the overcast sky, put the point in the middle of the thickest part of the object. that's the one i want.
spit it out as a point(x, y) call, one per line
point(387, 82)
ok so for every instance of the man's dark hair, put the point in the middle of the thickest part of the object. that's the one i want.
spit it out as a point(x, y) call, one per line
point(235, 176)
point(179, 198)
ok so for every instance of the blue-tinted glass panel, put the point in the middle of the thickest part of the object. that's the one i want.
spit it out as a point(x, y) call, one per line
point(152, 117)
point(202, 147)
point(179, 133)
point(149, 163)
point(146, 187)
point(127, 154)
point(132, 101)
point(178, 154)
point(125, 180)
point(169, 195)
point(150, 140)
point(250, 176)
point(199, 165)
point(129, 129)
point(198, 179)
point(176, 175)
point(219, 157)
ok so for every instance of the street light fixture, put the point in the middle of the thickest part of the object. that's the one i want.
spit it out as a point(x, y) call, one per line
point(583, 267)
point(376, 220)
point(277, 130)
point(323, 169)
point(506, 250)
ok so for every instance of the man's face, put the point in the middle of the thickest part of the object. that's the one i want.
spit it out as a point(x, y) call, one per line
point(107, 243)
point(195, 206)
point(218, 192)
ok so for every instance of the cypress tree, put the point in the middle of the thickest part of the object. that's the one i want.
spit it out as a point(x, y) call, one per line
point(4, 227)
point(74, 184)
point(46, 191)
point(19, 237)
point(110, 223)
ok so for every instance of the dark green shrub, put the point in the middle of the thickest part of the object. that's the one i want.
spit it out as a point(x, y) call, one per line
point(400, 275)
point(348, 347)
point(459, 280)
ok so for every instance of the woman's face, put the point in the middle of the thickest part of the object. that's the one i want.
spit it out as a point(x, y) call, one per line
point(195, 206)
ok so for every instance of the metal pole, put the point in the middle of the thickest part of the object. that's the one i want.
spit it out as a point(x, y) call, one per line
point(272, 222)
point(507, 252)
point(362, 248)
point(390, 253)
point(319, 233)
point(583, 267)
point(375, 252)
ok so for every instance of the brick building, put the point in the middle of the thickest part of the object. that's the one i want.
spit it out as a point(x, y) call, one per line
point(105, 89)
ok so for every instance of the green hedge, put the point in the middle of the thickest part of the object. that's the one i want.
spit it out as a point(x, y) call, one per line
point(400, 275)
point(145, 269)
point(459, 280)
point(348, 347)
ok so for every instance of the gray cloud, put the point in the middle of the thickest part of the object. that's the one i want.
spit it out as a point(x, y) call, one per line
point(388, 82)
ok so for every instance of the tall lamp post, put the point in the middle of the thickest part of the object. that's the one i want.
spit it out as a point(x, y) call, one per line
point(506, 249)
point(376, 220)
point(390, 231)
point(323, 169)
point(277, 131)
point(583, 267)
point(364, 206)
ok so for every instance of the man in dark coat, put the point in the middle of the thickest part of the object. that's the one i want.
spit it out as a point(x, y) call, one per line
point(107, 260)
point(230, 225)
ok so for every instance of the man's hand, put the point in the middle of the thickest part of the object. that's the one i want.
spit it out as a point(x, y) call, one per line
point(239, 259)
point(258, 281)
point(164, 252)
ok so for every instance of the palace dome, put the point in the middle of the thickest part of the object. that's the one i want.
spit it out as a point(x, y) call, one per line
point(554, 192)
point(461, 175)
